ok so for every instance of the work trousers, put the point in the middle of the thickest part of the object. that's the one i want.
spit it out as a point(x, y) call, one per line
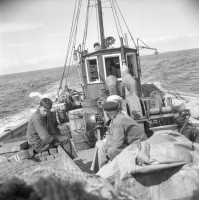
point(66, 144)
point(103, 154)
point(63, 141)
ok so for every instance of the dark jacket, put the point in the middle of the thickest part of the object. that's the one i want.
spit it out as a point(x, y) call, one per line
point(40, 130)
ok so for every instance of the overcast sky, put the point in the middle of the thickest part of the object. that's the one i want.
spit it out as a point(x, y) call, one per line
point(34, 33)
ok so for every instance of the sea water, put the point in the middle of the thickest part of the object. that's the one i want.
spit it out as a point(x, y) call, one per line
point(21, 93)
point(173, 71)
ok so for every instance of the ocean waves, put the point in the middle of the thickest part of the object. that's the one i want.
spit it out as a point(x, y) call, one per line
point(21, 93)
point(176, 71)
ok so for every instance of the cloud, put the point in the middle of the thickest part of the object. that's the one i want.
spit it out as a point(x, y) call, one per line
point(8, 66)
point(5, 62)
point(44, 59)
point(55, 35)
point(9, 27)
point(40, 60)
point(173, 43)
point(27, 45)
point(173, 38)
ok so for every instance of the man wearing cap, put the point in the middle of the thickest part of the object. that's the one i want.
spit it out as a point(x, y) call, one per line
point(43, 132)
point(122, 131)
point(120, 100)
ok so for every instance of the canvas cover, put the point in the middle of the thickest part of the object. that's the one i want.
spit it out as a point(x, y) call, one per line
point(163, 150)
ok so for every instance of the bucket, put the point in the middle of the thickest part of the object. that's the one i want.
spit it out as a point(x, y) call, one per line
point(76, 120)
point(81, 137)
point(90, 109)
point(83, 130)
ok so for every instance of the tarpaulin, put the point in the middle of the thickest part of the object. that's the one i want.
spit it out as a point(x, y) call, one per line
point(163, 150)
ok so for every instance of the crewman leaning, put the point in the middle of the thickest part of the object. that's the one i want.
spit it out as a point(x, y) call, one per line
point(122, 131)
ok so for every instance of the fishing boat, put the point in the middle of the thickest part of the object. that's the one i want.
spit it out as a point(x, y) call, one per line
point(106, 71)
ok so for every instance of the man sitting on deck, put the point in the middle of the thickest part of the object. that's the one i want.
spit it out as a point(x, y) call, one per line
point(122, 131)
point(43, 132)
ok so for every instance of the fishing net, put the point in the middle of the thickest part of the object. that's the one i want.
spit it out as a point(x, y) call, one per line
point(56, 182)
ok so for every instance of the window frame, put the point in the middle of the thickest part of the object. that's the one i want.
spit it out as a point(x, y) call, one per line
point(110, 56)
point(87, 70)
point(136, 70)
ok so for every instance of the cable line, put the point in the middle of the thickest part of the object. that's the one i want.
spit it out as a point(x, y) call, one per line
point(126, 24)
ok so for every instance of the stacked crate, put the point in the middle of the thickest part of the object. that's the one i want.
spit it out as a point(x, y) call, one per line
point(14, 151)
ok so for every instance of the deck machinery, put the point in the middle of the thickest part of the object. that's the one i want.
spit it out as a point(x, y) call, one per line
point(113, 71)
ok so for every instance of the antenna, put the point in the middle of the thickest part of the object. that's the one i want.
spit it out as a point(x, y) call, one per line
point(145, 46)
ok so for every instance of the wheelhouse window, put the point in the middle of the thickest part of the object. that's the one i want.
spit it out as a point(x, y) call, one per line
point(132, 64)
point(112, 65)
point(92, 70)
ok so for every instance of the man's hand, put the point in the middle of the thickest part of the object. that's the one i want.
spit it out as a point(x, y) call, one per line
point(56, 142)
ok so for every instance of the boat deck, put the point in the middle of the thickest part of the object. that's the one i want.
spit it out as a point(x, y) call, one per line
point(84, 159)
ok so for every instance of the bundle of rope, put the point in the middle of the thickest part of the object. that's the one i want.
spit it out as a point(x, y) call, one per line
point(46, 183)
point(49, 184)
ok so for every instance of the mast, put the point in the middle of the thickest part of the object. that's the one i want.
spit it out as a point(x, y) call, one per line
point(99, 6)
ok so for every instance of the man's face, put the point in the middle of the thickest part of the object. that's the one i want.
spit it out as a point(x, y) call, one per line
point(108, 64)
point(111, 114)
point(44, 111)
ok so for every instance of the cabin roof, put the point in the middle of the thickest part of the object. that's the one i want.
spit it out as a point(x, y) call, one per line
point(108, 51)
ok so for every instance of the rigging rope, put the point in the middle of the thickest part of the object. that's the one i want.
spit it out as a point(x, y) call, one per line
point(73, 32)
point(86, 26)
point(68, 49)
point(126, 24)
point(74, 40)
point(97, 17)
point(113, 10)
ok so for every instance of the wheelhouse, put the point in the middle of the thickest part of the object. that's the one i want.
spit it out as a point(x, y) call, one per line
point(98, 65)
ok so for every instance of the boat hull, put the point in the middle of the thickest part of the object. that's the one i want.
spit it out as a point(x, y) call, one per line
point(14, 132)
point(24, 168)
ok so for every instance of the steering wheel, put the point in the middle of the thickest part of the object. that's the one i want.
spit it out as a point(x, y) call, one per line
point(100, 101)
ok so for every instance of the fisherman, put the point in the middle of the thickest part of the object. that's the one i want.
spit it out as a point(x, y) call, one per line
point(97, 46)
point(122, 131)
point(43, 132)
point(110, 69)
point(120, 100)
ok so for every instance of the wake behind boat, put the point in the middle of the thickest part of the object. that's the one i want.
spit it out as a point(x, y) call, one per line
point(107, 71)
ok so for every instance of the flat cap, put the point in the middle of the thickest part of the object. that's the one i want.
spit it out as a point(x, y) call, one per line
point(110, 106)
point(115, 98)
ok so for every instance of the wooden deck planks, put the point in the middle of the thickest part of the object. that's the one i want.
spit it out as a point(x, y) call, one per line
point(84, 159)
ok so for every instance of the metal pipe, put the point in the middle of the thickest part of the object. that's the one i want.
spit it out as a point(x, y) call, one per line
point(99, 6)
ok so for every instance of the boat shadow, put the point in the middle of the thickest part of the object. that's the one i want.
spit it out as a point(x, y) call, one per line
point(156, 178)
point(85, 167)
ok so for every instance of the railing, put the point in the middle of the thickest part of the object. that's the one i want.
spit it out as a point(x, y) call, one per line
point(16, 131)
